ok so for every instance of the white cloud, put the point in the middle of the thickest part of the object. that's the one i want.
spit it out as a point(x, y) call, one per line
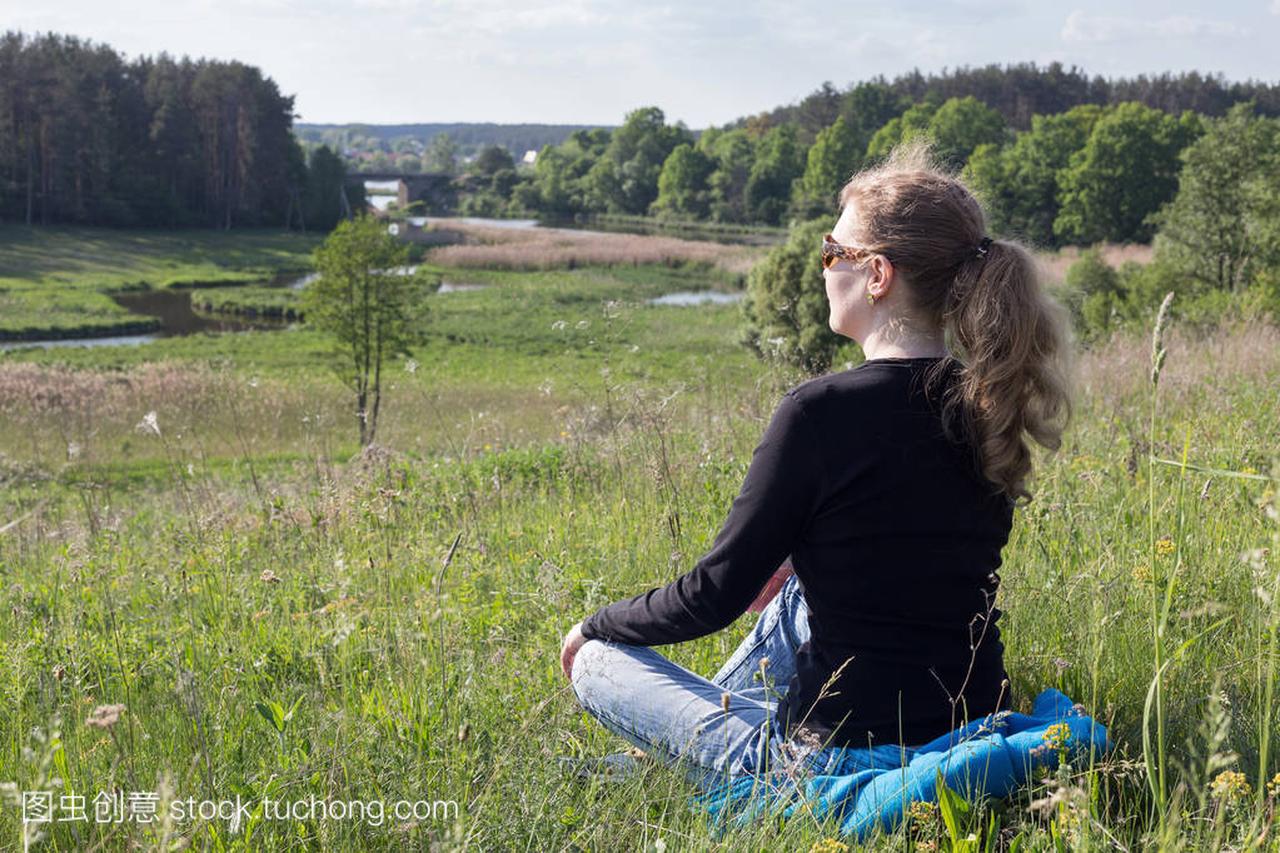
point(1084, 28)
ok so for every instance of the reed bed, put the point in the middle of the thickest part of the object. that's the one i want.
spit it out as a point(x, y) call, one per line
point(550, 248)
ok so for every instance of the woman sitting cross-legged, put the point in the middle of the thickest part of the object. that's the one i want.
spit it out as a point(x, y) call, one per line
point(889, 489)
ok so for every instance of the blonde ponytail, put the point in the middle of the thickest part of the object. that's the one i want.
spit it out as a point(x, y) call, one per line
point(1011, 338)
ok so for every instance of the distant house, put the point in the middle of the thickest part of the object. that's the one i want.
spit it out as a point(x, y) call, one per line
point(529, 157)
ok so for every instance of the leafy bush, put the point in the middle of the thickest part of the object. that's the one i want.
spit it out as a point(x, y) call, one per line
point(1103, 299)
point(1093, 294)
point(786, 306)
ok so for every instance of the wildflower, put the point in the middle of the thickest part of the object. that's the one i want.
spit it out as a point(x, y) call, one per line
point(1230, 785)
point(581, 324)
point(922, 812)
point(725, 699)
point(104, 716)
point(269, 576)
point(411, 366)
point(149, 425)
point(1165, 546)
point(1061, 664)
point(1267, 495)
point(558, 325)
point(1058, 736)
point(1249, 469)
point(828, 845)
point(1141, 573)
point(1273, 787)
point(1069, 820)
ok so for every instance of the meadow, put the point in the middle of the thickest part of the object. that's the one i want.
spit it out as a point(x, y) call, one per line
point(55, 281)
point(188, 530)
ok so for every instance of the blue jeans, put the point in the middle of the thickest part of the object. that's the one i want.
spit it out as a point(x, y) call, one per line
point(680, 717)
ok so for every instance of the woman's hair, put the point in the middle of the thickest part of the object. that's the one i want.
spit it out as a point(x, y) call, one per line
point(1013, 339)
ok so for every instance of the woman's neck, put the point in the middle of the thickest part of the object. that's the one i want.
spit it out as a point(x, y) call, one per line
point(894, 340)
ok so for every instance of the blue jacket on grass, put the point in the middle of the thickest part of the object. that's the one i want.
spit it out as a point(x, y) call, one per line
point(990, 757)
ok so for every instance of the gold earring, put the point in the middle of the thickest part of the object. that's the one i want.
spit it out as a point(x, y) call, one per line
point(871, 298)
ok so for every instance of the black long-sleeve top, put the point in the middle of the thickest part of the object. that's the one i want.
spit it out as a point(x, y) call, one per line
point(895, 537)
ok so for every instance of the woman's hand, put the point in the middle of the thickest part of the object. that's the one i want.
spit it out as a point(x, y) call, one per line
point(771, 587)
point(569, 649)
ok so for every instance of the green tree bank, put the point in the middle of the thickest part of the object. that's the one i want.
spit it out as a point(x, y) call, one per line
point(1217, 243)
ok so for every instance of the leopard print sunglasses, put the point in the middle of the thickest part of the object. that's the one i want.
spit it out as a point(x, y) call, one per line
point(833, 251)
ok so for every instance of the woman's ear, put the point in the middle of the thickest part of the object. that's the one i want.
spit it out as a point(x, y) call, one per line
point(882, 277)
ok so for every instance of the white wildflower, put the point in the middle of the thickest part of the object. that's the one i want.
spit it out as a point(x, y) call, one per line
point(149, 425)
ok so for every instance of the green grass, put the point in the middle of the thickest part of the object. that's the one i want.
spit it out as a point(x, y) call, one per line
point(250, 301)
point(247, 554)
point(54, 281)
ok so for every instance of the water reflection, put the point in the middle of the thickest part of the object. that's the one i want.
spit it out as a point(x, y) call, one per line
point(111, 341)
point(173, 309)
point(696, 297)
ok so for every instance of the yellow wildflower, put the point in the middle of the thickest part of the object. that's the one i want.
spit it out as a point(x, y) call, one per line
point(922, 811)
point(1273, 787)
point(1070, 819)
point(1230, 785)
point(1165, 546)
point(1058, 736)
point(1141, 573)
point(829, 845)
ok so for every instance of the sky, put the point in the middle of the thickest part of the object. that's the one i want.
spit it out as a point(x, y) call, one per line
point(703, 62)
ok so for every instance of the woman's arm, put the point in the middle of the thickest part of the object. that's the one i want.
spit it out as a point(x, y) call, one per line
point(783, 487)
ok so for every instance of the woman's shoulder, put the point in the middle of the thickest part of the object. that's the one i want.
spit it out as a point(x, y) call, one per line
point(865, 382)
point(879, 397)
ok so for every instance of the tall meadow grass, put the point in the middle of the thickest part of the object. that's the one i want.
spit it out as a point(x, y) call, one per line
point(283, 616)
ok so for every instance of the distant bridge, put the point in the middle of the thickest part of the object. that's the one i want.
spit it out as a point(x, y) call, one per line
point(437, 191)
